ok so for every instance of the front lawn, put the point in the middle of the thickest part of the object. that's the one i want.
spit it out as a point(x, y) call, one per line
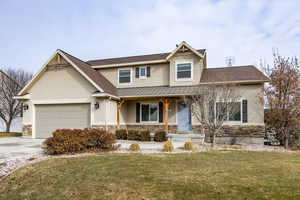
point(210, 175)
point(10, 134)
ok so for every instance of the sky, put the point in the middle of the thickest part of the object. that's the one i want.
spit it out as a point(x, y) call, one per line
point(248, 30)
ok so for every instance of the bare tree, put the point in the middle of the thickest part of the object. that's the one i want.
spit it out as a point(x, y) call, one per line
point(213, 105)
point(282, 96)
point(11, 82)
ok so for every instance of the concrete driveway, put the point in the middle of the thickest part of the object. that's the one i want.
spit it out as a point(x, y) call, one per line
point(15, 148)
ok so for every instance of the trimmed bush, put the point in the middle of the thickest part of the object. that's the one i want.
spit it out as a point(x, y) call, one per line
point(134, 135)
point(145, 135)
point(78, 140)
point(135, 147)
point(121, 134)
point(168, 146)
point(160, 136)
point(188, 146)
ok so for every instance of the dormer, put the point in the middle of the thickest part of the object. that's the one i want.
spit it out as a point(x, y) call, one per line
point(186, 65)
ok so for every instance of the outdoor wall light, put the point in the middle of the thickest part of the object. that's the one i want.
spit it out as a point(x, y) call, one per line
point(25, 107)
point(96, 105)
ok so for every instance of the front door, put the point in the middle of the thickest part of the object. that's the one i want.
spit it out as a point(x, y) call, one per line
point(184, 117)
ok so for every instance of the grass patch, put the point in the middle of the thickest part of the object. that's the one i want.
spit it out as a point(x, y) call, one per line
point(210, 175)
point(10, 134)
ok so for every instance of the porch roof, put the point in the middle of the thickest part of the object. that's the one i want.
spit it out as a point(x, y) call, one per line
point(156, 91)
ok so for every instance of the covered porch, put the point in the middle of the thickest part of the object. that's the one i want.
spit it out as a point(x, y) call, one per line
point(153, 113)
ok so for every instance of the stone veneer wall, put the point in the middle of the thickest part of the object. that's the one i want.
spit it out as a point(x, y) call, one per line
point(27, 130)
point(254, 131)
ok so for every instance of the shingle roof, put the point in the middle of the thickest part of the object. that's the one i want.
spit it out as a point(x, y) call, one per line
point(132, 59)
point(157, 91)
point(230, 74)
point(95, 76)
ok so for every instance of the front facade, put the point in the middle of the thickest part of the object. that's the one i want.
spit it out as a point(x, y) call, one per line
point(140, 92)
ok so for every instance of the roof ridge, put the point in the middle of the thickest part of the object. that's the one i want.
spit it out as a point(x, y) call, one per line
point(135, 56)
point(230, 67)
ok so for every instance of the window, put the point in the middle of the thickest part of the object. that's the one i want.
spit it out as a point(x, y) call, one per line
point(228, 111)
point(124, 76)
point(184, 71)
point(149, 112)
point(143, 72)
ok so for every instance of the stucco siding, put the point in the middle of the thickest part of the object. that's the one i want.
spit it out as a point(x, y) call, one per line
point(252, 94)
point(65, 83)
point(159, 76)
point(197, 68)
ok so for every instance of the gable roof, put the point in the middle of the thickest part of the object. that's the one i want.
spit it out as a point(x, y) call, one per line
point(182, 45)
point(94, 77)
point(160, 57)
point(247, 73)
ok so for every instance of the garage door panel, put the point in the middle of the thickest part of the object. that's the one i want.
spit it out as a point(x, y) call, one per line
point(52, 117)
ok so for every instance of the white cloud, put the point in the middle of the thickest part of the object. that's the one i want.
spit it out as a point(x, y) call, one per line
point(247, 30)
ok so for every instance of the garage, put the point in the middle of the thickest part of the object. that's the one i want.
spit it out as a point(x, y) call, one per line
point(50, 117)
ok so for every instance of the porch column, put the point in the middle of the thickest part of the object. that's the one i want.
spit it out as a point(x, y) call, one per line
point(166, 102)
point(119, 105)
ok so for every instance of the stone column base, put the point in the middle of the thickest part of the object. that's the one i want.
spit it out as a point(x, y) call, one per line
point(27, 130)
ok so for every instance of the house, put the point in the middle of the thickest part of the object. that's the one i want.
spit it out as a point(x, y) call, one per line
point(143, 92)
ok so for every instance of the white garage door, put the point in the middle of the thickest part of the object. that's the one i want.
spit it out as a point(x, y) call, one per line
point(48, 118)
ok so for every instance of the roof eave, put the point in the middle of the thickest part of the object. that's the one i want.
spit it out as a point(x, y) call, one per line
point(130, 63)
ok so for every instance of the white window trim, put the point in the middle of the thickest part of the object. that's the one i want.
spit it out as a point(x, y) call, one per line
point(142, 77)
point(149, 122)
point(184, 62)
point(130, 68)
point(241, 112)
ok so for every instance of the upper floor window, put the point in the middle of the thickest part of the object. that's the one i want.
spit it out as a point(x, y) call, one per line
point(184, 71)
point(124, 76)
point(143, 72)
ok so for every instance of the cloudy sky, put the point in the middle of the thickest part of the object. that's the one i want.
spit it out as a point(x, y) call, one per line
point(32, 30)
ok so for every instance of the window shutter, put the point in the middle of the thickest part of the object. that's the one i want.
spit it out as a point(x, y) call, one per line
point(137, 72)
point(161, 112)
point(138, 107)
point(148, 71)
point(245, 111)
point(211, 112)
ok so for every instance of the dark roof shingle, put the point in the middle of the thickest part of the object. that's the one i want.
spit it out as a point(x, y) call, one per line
point(132, 59)
point(95, 76)
point(230, 74)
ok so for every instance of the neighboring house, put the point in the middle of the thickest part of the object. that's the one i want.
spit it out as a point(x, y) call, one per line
point(143, 92)
point(16, 125)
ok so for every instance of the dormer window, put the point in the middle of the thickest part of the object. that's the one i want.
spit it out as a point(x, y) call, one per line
point(124, 76)
point(184, 71)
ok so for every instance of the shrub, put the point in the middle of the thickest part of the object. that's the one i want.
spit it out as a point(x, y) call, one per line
point(168, 146)
point(135, 147)
point(188, 146)
point(145, 135)
point(160, 136)
point(133, 135)
point(121, 134)
point(78, 140)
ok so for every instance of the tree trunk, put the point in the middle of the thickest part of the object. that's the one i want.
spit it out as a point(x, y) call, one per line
point(7, 125)
point(213, 140)
point(286, 141)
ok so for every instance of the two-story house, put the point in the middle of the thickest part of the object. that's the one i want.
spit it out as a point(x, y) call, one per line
point(143, 92)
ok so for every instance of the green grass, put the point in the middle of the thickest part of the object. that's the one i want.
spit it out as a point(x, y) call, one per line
point(211, 175)
point(11, 134)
